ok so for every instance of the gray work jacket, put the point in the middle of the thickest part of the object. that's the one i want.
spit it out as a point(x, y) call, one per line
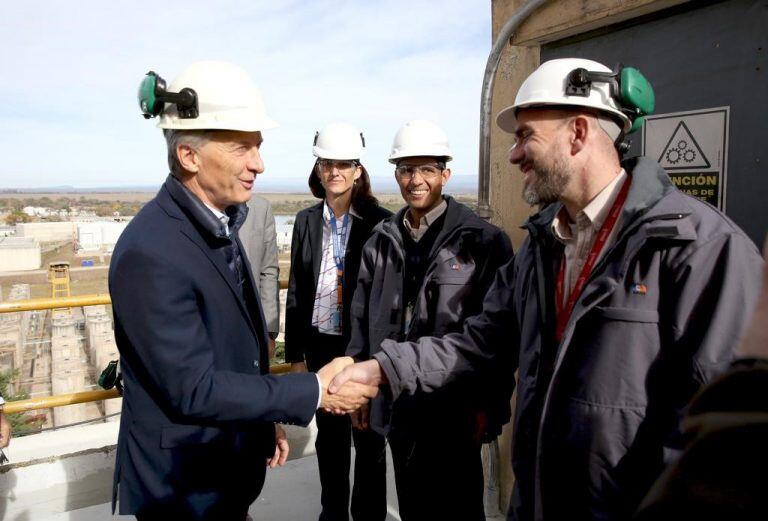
point(597, 414)
point(462, 264)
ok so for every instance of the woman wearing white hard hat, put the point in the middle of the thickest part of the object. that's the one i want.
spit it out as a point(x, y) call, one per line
point(325, 258)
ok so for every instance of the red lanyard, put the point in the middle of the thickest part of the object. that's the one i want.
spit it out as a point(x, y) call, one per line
point(564, 312)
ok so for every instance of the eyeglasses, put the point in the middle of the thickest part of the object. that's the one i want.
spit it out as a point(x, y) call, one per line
point(328, 165)
point(426, 171)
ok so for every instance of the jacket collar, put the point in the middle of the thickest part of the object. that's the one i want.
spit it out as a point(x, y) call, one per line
point(457, 217)
point(203, 219)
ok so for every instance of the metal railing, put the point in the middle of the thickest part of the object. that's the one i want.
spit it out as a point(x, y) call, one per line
point(48, 402)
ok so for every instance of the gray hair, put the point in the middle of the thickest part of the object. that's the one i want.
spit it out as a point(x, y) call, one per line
point(174, 138)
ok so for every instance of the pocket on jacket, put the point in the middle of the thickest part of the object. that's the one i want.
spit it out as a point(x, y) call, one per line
point(649, 316)
point(178, 435)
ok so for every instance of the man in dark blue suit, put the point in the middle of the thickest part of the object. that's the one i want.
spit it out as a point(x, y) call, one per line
point(199, 411)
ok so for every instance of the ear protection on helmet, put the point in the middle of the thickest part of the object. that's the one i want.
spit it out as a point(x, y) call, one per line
point(628, 87)
point(153, 96)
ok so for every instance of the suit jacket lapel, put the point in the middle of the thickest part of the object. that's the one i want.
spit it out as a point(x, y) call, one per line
point(221, 266)
point(257, 321)
point(357, 235)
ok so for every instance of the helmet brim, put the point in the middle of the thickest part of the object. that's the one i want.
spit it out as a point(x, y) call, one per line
point(244, 122)
point(507, 118)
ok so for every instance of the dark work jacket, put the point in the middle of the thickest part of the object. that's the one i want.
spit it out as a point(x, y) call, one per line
point(721, 475)
point(461, 266)
point(306, 257)
point(198, 407)
point(597, 414)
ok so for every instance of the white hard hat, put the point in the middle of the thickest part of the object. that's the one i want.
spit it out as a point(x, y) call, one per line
point(547, 86)
point(420, 138)
point(339, 141)
point(227, 100)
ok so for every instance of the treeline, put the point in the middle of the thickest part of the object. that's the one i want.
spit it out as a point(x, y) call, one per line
point(13, 207)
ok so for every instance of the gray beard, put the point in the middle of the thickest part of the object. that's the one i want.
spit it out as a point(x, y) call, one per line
point(549, 182)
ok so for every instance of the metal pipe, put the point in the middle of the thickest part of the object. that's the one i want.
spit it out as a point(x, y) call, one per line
point(48, 402)
point(53, 303)
point(60, 400)
point(86, 396)
point(484, 169)
point(34, 304)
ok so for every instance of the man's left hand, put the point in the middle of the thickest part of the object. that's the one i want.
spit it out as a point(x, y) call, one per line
point(281, 449)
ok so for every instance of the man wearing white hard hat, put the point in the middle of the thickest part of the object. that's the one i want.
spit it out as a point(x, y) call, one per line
point(325, 258)
point(198, 424)
point(423, 272)
point(625, 298)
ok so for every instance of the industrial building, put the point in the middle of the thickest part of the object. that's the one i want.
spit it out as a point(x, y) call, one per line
point(284, 234)
point(47, 231)
point(99, 236)
point(59, 351)
point(19, 254)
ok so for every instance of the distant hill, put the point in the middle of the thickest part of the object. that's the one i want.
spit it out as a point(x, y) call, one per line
point(458, 184)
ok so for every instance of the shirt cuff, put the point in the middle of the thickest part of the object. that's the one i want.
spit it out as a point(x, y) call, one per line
point(319, 391)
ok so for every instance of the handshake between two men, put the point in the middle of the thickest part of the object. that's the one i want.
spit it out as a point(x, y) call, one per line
point(347, 387)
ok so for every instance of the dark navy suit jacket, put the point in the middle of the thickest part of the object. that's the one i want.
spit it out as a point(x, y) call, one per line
point(198, 408)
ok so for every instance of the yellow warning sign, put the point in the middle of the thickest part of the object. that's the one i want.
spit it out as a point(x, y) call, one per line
point(705, 186)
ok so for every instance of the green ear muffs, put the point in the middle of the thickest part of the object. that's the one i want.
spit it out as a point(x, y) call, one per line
point(153, 96)
point(628, 86)
point(636, 94)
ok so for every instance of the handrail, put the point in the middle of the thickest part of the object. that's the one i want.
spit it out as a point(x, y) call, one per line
point(48, 402)
point(34, 304)
point(60, 400)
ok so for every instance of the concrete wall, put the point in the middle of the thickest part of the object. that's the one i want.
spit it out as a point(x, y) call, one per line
point(555, 20)
point(47, 231)
point(19, 254)
point(100, 234)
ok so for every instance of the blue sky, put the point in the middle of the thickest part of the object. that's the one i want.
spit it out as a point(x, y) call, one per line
point(68, 110)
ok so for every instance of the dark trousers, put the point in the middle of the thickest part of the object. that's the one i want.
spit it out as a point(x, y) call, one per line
point(334, 444)
point(439, 475)
point(369, 492)
point(199, 507)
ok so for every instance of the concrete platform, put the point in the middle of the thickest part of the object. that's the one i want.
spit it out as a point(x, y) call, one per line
point(291, 493)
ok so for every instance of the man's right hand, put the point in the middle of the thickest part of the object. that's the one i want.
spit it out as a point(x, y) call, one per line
point(368, 373)
point(346, 398)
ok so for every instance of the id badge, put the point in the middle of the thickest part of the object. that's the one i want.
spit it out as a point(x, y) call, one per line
point(336, 320)
point(409, 315)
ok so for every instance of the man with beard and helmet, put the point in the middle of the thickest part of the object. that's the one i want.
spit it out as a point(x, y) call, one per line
point(625, 298)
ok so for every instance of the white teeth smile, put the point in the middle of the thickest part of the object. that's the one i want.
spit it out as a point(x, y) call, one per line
point(418, 192)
